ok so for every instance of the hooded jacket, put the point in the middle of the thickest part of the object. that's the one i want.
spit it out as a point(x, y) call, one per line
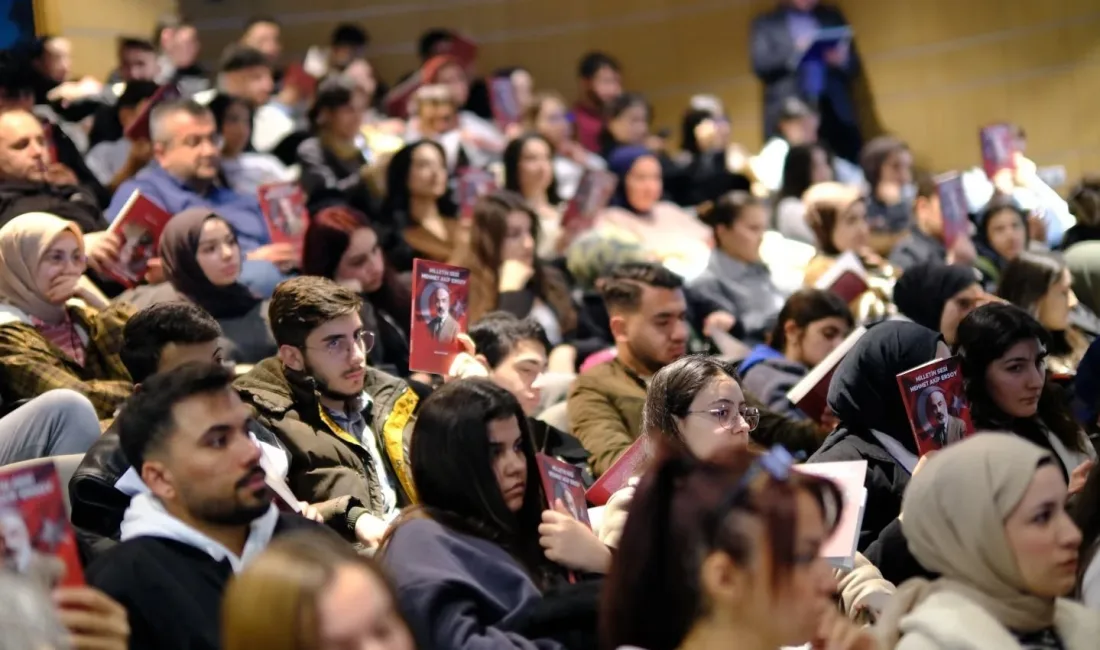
point(328, 466)
point(874, 426)
point(170, 577)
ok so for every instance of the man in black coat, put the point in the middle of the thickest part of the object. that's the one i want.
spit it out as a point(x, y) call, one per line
point(208, 512)
point(778, 40)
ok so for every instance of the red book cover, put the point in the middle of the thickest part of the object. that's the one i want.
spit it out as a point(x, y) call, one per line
point(297, 78)
point(284, 208)
point(461, 47)
point(473, 183)
point(998, 148)
point(934, 400)
point(139, 129)
point(811, 393)
point(505, 105)
point(396, 103)
point(35, 537)
point(560, 480)
point(846, 277)
point(956, 216)
point(440, 294)
point(139, 224)
point(593, 194)
point(629, 465)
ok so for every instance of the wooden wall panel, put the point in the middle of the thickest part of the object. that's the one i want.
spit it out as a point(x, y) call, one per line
point(94, 26)
point(936, 70)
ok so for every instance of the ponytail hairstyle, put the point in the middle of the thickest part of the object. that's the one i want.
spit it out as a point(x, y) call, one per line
point(808, 306)
point(683, 511)
point(727, 209)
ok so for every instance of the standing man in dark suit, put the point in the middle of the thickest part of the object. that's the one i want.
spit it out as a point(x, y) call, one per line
point(779, 39)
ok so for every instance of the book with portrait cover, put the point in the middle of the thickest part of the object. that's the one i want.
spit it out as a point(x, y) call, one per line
point(560, 480)
point(139, 128)
point(935, 403)
point(284, 208)
point(504, 103)
point(840, 549)
point(139, 224)
point(473, 183)
point(440, 294)
point(811, 393)
point(630, 464)
point(953, 207)
point(593, 193)
point(846, 278)
point(998, 148)
point(36, 539)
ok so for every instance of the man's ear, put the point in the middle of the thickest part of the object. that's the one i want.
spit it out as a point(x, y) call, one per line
point(618, 327)
point(292, 358)
point(159, 480)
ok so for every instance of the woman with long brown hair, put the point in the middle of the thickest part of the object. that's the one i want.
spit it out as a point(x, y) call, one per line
point(342, 244)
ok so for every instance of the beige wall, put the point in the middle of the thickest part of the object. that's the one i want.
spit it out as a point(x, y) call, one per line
point(93, 26)
point(936, 69)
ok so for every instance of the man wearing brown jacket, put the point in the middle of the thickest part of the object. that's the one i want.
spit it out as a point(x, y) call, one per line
point(344, 424)
point(648, 313)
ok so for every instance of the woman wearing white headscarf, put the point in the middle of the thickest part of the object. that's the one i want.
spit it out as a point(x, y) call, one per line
point(988, 516)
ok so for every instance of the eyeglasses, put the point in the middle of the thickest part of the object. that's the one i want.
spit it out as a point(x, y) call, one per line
point(341, 347)
point(724, 415)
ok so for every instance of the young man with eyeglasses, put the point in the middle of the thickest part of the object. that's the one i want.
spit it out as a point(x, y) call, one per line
point(343, 422)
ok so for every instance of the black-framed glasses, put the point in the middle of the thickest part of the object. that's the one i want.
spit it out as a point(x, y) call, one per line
point(340, 347)
point(725, 416)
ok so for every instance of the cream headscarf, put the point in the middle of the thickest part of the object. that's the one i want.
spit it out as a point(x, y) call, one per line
point(23, 242)
point(955, 509)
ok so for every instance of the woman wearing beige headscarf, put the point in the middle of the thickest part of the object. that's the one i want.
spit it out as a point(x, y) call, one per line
point(988, 515)
point(48, 340)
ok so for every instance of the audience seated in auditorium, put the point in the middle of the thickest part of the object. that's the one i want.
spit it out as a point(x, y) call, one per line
point(345, 246)
point(244, 171)
point(888, 165)
point(1084, 204)
point(246, 73)
point(183, 174)
point(418, 207)
point(481, 139)
point(46, 341)
point(939, 296)
point(208, 510)
point(476, 563)
point(796, 126)
point(115, 160)
point(1002, 234)
point(811, 324)
point(736, 280)
point(626, 124)
point(599, 83)
point(708, 164)
point(926, 240)
point(549, 117)
point(837, 215)
point(337, 599)
point(344, 422)
point(333, 165)
point(648, 317)
point(529, 172)
point(988, 515)
point(56, 423)
point(806, 166)
point(202, 264)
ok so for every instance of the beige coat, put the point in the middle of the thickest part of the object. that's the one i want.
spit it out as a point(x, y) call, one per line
point(949, 621)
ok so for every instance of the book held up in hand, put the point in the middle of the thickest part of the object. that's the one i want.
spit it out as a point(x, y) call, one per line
point(953, 207)
point(850, 476)
point(811, 394)
point(284, 208)
point(440, 295)
point(627, 466)
point(593, 194)
point(936, 404)
point(139, 128)
point(998, 148)
point(824, 39)
point(473, 183)
point(139, 224)
point(504, 103)
point(562, 482)
point(846, 278)
point(36, 539)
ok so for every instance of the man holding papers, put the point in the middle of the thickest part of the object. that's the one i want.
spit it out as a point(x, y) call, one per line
point(804, 49)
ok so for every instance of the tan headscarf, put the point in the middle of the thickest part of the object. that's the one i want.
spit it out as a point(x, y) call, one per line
point(23, 242)
point(955, 509)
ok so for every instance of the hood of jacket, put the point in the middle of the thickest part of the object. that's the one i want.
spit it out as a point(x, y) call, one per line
point(864, 392)
point(147, 517)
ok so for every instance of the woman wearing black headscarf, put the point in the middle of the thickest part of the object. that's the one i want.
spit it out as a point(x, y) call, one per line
point(939, 296)
point(202, 264)
point(873, 425)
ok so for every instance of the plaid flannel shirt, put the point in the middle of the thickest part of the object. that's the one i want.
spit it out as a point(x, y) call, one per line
point(31, 365)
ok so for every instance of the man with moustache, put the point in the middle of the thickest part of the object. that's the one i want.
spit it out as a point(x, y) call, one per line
point(649, 321)
point(442, 326)
point(946, 428)
point(343, 422)
point(208, 511)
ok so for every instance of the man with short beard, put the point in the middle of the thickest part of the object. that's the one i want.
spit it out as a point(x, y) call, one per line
point(208, 511)
point(343, 422)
